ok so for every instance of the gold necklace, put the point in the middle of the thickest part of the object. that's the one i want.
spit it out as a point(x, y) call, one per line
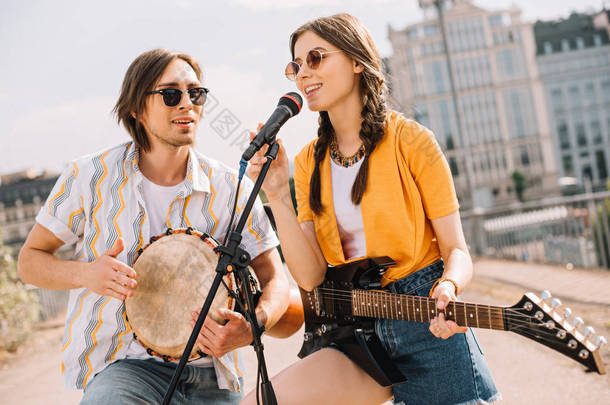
point(345, 161)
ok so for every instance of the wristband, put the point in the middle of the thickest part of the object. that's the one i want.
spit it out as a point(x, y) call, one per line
point(440, 280)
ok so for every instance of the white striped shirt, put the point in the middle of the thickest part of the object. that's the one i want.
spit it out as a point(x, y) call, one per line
point(99, 198)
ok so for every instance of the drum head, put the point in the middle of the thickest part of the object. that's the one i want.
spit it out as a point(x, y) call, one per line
point(174, 276)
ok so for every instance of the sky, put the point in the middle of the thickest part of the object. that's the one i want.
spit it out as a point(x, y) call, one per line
point(62, 64)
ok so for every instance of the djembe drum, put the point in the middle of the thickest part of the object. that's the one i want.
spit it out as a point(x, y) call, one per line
point(174, 273)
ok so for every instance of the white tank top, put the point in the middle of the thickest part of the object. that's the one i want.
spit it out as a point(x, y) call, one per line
point(349, 216)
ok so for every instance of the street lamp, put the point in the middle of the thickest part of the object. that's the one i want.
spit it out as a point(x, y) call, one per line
point(439, 4)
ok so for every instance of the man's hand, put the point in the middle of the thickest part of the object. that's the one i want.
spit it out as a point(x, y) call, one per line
point(109, 276)
point(218, 340)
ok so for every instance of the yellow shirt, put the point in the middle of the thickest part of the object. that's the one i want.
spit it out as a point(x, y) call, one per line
point(409, 183)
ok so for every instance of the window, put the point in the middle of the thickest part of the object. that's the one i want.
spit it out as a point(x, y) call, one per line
point(580, 43)
point(568, 166)
point(412, 33)
point(581, 135)
point(575, 97)
point(525, 159)
point(548, 48)
point(589, 93)
point(596, 132)
point(564, 138)
point(606, 91)
point(557, 99)
point(565, 45)
point(450, 144)
point(454, 166)
point(600, 159)
point(499, 20)
point(597, 40)
point(430, 30)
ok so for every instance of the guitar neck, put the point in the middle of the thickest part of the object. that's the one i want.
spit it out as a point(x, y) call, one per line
point(381, 304)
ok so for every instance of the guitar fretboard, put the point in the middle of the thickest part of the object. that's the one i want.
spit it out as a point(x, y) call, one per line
point(381, 304)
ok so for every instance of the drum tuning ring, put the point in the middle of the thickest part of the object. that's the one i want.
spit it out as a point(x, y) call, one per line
point(189, 230)
point(169, 231)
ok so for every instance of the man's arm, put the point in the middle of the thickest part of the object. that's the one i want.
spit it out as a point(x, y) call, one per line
point(274, 285)
point(39, 266)
point(217, 340)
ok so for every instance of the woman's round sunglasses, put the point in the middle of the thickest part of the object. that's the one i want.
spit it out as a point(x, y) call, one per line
point(313, 59)
point(172, 97)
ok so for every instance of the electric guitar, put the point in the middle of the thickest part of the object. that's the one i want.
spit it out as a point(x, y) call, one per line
point(342, 311)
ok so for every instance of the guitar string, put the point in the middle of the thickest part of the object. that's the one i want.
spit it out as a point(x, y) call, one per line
point(521, 322)
point(520, 319)
point(346, 296)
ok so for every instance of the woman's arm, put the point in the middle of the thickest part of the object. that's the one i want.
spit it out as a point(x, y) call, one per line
point(454, 251)
point(458, 268)
point(299, 245)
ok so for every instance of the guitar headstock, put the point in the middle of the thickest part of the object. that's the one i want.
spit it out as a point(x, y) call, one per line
point(540, 319)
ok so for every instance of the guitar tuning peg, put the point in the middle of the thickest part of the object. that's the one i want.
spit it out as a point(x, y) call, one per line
point(577, 322)
point(589, 331)
point(545, 295)
point(600, 341)
point(567, 313)
point(555, 303)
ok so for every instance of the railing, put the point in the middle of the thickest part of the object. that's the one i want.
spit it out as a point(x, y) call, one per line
point(572, 231)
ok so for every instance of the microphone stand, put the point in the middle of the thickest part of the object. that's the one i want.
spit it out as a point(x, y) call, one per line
point(234, 259)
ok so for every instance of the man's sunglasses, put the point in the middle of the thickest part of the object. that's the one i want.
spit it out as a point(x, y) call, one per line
point(314, 57)
point(172, 97)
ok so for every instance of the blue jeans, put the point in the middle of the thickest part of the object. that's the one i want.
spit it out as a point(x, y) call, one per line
point(144, 382)
point(452, 371)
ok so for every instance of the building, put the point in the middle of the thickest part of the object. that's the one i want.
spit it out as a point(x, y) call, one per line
point(573, 57)
point(505, 124)
point(21, 196)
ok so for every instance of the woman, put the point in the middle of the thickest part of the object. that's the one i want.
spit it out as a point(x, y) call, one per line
point(372, 184)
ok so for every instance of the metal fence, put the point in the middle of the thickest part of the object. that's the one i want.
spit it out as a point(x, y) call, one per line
point(571, 231)
point(52, 302)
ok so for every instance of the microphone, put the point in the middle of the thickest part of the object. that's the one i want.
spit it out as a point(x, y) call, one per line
point(288, 106)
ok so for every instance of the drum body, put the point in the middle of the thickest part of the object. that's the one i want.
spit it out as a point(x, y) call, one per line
point(174, 274)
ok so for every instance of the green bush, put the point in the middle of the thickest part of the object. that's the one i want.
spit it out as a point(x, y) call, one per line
point(19, 308)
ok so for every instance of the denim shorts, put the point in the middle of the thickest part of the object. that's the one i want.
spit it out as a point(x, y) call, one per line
point(452, 371)
point(145, 382)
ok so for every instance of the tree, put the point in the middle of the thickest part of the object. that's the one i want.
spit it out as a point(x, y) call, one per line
point(520, 184)
point(19, 307)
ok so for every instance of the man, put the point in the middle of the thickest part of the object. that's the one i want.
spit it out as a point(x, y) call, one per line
point(114, 201)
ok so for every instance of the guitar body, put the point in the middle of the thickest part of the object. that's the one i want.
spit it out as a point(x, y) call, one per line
point(328, 321)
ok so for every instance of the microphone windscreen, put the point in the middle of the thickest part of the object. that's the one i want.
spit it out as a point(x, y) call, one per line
point(293, 101)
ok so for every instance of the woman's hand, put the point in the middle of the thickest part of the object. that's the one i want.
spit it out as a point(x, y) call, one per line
point(439, 326)
point(276, 184)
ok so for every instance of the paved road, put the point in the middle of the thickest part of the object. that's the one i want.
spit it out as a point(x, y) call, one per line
point(525, 371)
